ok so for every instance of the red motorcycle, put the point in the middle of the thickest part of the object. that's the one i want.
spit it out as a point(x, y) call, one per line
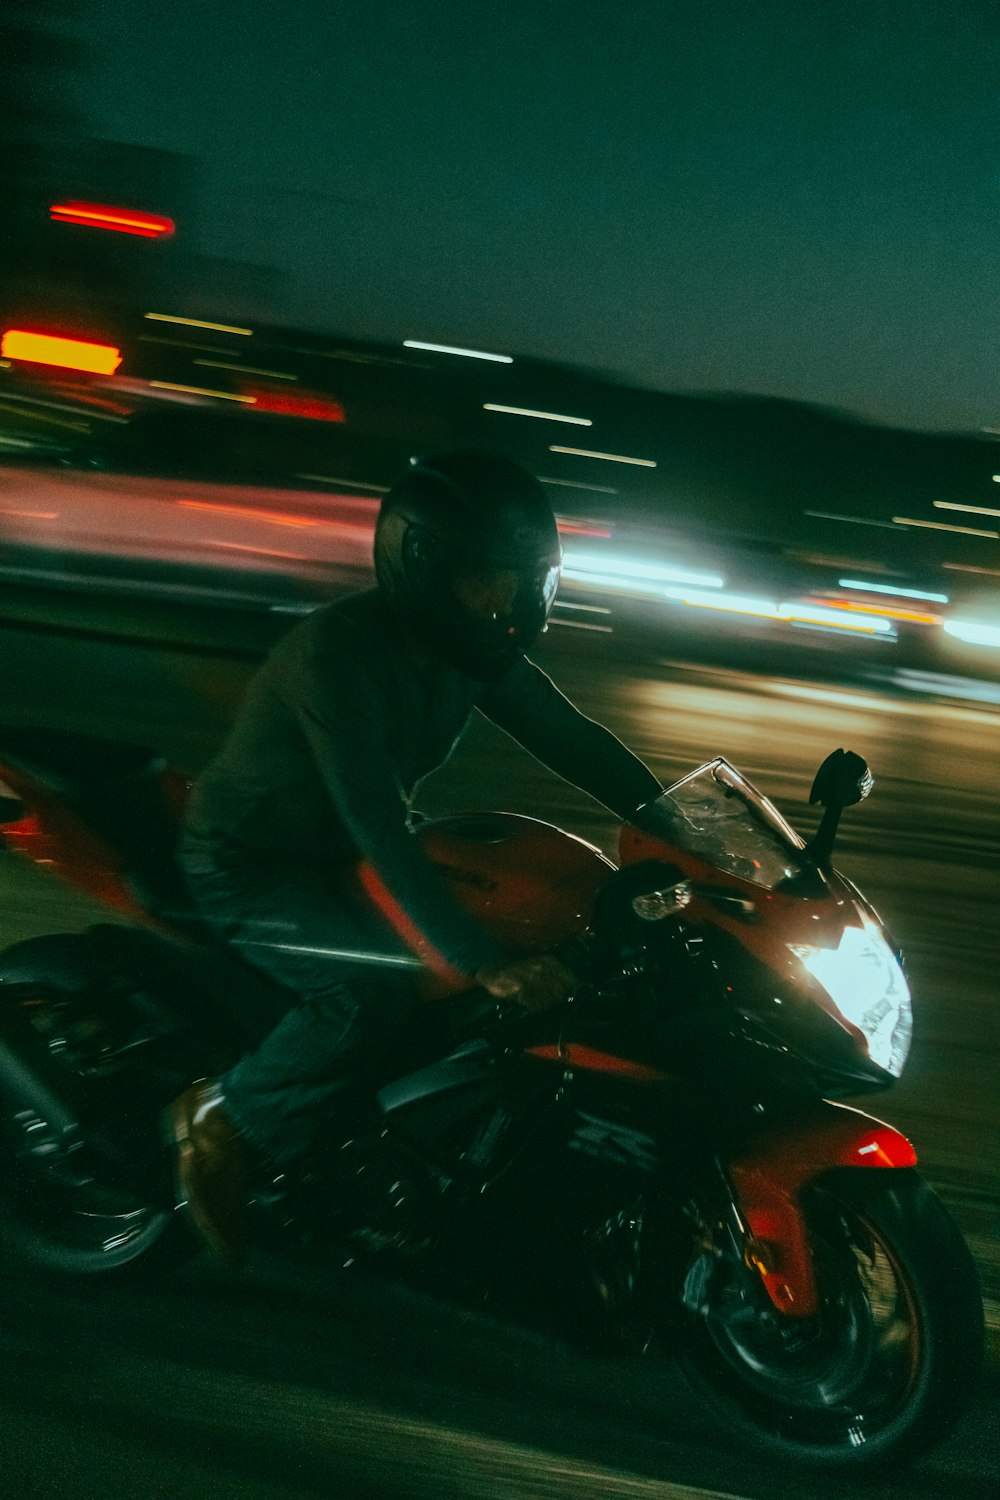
point(664, 1157)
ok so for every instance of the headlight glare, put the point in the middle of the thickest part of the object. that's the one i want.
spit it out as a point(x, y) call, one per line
point(865, 982)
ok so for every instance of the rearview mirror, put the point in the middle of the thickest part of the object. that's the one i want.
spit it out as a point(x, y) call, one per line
point(842, 780)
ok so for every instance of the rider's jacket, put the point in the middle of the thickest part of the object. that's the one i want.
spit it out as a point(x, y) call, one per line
point(336, 731)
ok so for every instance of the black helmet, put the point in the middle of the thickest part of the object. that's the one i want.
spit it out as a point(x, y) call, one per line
point(467, 553)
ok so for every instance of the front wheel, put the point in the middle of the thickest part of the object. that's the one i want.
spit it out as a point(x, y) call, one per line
point(889, 1360)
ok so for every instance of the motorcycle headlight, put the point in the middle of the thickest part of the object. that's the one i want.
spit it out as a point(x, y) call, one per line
point(865, 982)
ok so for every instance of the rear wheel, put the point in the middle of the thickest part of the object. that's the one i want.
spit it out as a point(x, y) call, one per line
point(888, 1361)
point(84, 1185)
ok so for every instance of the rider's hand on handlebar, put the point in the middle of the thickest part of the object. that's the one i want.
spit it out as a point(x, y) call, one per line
point(536, 983)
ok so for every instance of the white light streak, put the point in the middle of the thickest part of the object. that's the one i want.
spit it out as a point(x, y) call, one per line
point(350, 953)
point(581, 625)
point(590, 609)
point(829, 515)
point(975, 510)
point(942, 526)
point(546, 416)
point(500, 359)
point(197, 323)
point(884, 588)
point(218, 364)
point(973, 633)
point(624, 572)
point(613, 458)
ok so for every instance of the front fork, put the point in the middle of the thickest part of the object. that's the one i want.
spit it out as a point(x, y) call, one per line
point(766, 1220)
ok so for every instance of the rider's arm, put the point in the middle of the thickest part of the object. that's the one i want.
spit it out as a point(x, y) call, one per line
point(528, 705)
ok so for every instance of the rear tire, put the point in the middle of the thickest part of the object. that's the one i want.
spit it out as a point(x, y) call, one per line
point(891, 1358)
point(84, 1183)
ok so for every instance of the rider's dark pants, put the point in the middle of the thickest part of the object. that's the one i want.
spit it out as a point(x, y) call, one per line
point(350, 990)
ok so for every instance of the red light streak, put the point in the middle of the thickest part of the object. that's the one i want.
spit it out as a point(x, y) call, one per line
point(120, 220)
point(578, 528)
point(296, 404)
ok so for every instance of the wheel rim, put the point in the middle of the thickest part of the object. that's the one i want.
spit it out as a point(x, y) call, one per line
point(66, 1204)
point(837, 1380)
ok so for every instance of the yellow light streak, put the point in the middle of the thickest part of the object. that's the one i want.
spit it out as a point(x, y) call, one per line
point(196, 323)
point(200, 390)
point(941, 526)
point(965, 568)
point(890, 611)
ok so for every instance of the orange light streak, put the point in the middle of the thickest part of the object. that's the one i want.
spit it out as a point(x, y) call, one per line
point(67, 354)
point(890, 611)
point(273, 517)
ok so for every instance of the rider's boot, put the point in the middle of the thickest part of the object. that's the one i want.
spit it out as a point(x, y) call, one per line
point(212, 1168)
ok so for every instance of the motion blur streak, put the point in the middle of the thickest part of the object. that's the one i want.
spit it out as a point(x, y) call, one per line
point(546, 416)
point(884, 588)
point(500, 359)
point(272, 517)
point(200, 390)
point(196, 323)
point(942, 526)
point(614, 458)
point(967, 568)
point(121, 220)
point(830, 515)
point(361, 956)
point(221, 364)
point(573, 484)
point(624, 572)
point(886, 611)
point(68, 354)
point(976, 510)
point(973, 633)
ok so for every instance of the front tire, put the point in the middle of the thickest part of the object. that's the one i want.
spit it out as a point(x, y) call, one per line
point(890, 1359)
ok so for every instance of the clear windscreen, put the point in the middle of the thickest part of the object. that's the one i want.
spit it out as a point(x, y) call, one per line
point(716, 814)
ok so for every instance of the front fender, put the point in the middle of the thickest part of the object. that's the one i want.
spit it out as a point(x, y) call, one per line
point(767, 1182)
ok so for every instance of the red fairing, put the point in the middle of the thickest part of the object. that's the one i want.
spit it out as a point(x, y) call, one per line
point(531, 885)
point(767, 1181)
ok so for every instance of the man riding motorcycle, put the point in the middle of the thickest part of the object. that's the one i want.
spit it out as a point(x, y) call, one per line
point(350, 711)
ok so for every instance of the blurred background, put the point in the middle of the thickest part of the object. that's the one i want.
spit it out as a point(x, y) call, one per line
point(723, 278)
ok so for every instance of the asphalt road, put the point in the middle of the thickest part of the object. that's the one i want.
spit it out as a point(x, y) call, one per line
point(292, 1383)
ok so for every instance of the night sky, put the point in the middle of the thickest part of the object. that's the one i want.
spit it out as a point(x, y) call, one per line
point(798, 199)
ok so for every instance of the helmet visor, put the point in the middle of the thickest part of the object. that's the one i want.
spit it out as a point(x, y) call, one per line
point(503, 611)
